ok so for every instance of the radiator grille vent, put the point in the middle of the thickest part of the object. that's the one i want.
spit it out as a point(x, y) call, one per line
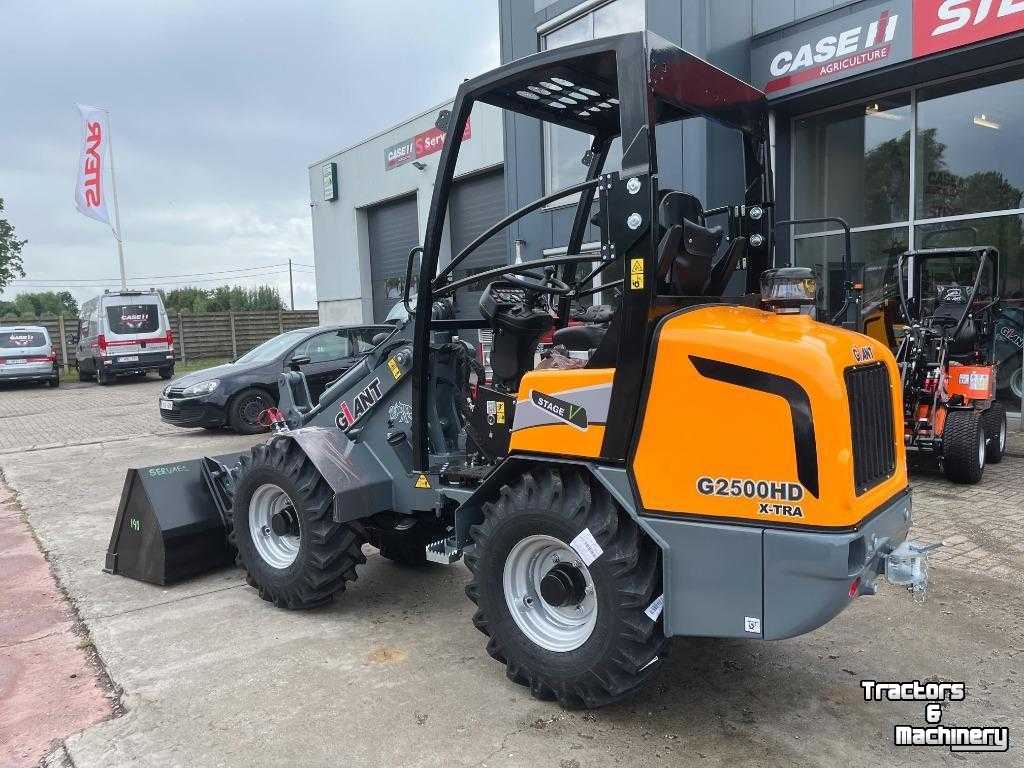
point(871, 423)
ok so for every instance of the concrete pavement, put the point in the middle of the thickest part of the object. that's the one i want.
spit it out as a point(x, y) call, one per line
point(394, 674)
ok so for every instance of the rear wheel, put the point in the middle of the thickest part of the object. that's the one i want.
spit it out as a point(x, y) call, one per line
point(84, 375)
point(963, 446)
point(167, 373)
point(245, 409)
point(55, 381)
point(293, 552)
point(567, 629)
point(103, 377)
point(994, 423)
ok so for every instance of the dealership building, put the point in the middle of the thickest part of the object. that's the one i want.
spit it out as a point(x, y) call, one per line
point(904, 117)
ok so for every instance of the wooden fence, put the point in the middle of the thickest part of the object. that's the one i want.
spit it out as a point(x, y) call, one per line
point(208, 335)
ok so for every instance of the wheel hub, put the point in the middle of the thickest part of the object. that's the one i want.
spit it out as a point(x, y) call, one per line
point(563, 586)
point(284, 522)
point(274, 526)
point(550, 593)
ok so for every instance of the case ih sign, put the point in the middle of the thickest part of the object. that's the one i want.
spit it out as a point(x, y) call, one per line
point(422, 144)
point(868, 36)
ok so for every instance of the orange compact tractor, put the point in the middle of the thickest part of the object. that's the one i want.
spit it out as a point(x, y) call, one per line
point(949, 298)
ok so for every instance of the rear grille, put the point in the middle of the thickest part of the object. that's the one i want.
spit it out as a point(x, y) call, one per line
point(871, 424)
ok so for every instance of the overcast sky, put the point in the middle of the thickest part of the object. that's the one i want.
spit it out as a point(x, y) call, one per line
point(217, 109)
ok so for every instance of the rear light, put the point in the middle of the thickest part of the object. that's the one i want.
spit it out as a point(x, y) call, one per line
point(40, 359)
point(170, 338)
point(101, 342)
point(931, 381)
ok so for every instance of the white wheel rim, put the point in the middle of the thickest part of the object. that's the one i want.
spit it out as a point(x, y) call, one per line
point(1002, 435)
point(1017, 383)
point(276, 550)
point(981, 449)
point(555, 628)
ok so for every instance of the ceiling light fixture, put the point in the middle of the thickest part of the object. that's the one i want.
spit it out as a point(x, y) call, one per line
point(876, 110)
point(984, 121)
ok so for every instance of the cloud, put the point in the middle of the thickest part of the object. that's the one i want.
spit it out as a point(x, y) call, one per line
point(217, 109)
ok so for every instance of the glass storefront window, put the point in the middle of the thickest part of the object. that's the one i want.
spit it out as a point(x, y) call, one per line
point(874, 257)
point(969, 148)
point(564, 148)
point(1006, 233)
point(968, 159)
point(855, 163)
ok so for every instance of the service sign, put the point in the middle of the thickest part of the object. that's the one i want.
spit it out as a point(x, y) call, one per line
point(421, 145)
point(871, 35)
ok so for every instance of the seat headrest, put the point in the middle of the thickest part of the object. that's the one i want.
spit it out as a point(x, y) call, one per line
point(676, 206)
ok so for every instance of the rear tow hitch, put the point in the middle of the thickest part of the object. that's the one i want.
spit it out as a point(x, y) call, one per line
point(907, 566)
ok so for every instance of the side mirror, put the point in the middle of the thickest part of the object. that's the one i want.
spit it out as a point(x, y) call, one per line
point(297, 361)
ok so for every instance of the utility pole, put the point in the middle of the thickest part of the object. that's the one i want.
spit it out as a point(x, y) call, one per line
point(291, 285)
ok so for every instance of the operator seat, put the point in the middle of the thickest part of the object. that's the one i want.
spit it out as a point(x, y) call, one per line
point(687, 262)
point(588, 336)
point(953, 305)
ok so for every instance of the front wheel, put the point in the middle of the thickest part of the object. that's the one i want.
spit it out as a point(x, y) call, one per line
point(293, 552)
point(245, 409)
point(568, 625)
point(963, 446)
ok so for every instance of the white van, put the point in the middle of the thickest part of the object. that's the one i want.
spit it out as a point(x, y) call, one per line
point(26, 354)
point(122, 333)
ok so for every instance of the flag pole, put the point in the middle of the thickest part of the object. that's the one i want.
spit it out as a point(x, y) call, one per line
point(117, 213)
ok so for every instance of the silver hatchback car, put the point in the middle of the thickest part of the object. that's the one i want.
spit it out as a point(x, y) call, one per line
point(26, 354)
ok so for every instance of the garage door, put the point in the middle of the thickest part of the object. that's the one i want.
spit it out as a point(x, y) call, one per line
point(476, 204)
point(393, 232)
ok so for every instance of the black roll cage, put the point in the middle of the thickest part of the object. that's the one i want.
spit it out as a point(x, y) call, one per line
point(617, 86)
point(919, 257)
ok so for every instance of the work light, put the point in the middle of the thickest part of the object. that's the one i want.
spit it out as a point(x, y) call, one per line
point(790, 291)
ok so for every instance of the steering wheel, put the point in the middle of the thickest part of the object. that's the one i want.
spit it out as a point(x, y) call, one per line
point(535, 281)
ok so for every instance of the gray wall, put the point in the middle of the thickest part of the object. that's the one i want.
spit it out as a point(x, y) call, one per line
point(340, 230)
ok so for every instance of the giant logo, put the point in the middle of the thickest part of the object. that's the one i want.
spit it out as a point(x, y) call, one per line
point(362, 404)
point(943, 24)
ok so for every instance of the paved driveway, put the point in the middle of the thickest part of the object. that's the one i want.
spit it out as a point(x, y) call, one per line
point(394, 674)
point(34, 417)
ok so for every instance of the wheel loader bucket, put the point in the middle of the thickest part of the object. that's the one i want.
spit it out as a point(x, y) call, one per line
point(170, 521)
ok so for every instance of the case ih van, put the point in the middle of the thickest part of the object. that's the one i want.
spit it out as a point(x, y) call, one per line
point(26, 354)
point(122, 333)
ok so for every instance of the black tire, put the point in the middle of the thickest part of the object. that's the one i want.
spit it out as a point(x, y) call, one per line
point(245, 408)
point(55, 381)
point(963, 447)
point(84, 375)
point(625, 647)
point(328, 552)
point(103, 378)
point(167, 373)
point(994, 422)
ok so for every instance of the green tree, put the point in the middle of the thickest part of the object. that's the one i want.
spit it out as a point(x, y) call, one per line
point(38, 304)
point(224, 298)
point(10, 251)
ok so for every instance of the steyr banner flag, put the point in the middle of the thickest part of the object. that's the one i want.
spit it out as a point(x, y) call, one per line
point(94, 173)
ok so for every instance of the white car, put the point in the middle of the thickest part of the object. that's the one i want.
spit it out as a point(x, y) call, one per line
point(26, 354)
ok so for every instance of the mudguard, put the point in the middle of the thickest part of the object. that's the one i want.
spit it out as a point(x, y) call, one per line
point(361, 483)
